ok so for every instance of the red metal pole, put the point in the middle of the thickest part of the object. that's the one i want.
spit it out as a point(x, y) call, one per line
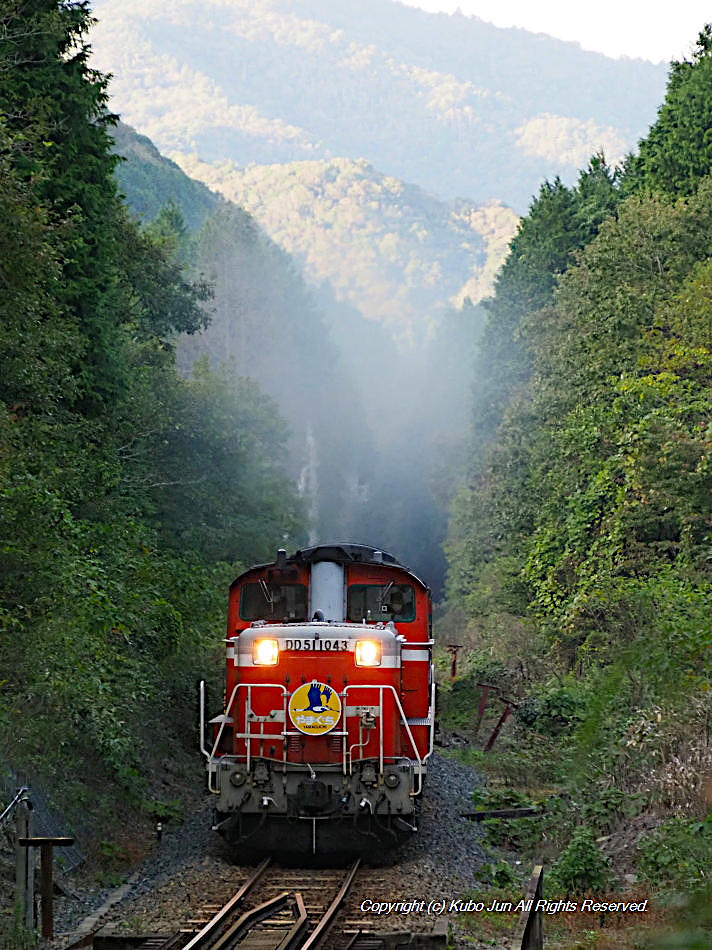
point(452, 649)
point(495, 733)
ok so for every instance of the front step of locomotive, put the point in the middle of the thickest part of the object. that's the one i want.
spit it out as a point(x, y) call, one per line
point(298, 812)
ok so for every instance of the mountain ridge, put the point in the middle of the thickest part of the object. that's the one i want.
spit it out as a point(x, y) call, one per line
point(455, 105)
point(387, 247)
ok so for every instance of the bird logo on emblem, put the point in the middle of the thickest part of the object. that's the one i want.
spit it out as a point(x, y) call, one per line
point(318, 698)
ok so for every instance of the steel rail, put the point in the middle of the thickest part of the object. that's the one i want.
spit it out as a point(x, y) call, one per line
point(321, 929)
point(202, 938)
point(292, 938)
point(353, 940)
point(248, 920)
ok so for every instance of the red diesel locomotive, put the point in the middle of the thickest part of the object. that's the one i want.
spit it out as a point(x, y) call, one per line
point(329, 716)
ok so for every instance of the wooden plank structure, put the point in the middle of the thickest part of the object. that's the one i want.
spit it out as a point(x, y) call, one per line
point(46, 845)
point(529, 933)
point(527, 812)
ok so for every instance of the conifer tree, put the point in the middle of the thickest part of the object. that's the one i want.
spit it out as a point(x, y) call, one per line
point(677, 151)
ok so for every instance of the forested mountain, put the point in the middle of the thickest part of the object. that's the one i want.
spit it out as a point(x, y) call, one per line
point(450, 103)
point(579, 548)
point(337, 124)
point(376, 431)
point(263, 324)
point(150, 181)
point(387, 248)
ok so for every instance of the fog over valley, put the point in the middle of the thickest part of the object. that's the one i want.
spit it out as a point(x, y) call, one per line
point(389, 153)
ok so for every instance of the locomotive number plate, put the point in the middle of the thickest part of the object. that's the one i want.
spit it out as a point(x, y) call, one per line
point(316, 646)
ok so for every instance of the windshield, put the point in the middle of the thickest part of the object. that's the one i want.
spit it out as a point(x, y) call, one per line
point(372, 602)
point(262, 601)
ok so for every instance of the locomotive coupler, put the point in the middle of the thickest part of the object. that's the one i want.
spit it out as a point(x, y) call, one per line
point(260, 775)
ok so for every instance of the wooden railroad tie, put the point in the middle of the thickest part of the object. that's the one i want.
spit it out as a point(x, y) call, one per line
point(526, 812)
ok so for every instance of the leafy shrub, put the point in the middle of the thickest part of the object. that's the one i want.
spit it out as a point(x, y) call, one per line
point(171, 810)
point(693, 927)
point(112, 853)
point(14, 936)
point(458, 700)
point(610, 805)
point(519, 833)
point(678, 854)
point(580, 868)
point(500, 874)
point(559, 710)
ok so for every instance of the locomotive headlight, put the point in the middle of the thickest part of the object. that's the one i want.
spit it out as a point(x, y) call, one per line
point(368, 653)
point(265, 652)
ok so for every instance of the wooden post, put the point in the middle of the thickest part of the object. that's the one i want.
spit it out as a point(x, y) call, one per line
point(45, 845)
point(24, 864)
point(529, 933)
point(495, 731)
point(452, 649)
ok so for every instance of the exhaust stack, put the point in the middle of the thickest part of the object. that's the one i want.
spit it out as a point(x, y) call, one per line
point(327, 591)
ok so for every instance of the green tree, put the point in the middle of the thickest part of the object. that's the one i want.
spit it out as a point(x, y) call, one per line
point(676, 154)
point(55, 107)
point(219, 483)
point(122, 485)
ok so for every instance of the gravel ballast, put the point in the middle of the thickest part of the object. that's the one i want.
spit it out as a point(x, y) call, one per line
point(191, 866)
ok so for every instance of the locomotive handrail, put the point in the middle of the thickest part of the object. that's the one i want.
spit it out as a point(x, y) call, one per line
point(431, 716)
point(201, 693)
point(346, 750)
point(285, 694)
point(248, 687)
point(381, 687)
point(412, 644)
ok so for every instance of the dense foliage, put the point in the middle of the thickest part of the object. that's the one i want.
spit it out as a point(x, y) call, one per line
point(128, 494)
point(149, 181)
point(580, 547)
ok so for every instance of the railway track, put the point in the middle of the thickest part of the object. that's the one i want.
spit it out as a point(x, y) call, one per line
point(275, 910)
point(284, 909)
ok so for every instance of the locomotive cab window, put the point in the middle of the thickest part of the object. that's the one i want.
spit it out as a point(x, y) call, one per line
point(280, 602)
point(373, 602)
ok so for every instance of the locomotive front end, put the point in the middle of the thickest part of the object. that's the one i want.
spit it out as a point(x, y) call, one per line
point(328, 722)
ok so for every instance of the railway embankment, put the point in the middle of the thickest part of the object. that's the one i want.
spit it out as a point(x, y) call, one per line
point(614, 863)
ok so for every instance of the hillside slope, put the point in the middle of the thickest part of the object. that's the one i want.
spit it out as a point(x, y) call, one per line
point(149, 180)
point(397, 254)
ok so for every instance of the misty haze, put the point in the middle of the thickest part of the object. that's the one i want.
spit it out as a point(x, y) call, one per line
point(389, 153)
